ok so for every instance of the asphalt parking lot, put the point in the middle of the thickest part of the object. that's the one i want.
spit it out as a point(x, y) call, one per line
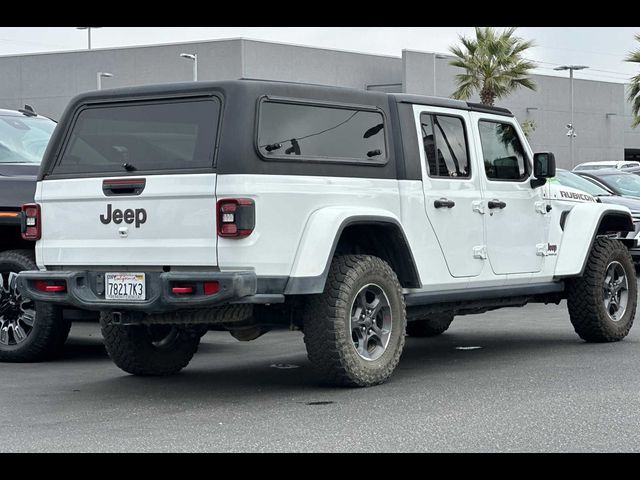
point(533, 386)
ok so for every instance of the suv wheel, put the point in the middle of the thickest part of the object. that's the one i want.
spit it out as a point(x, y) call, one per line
point(430, 326)
point(29, 331)
point(602, 303)
point(149, 350)
point(354, 331)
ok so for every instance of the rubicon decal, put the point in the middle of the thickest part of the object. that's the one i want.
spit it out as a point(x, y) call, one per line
point(577, 196)
point(139, 216)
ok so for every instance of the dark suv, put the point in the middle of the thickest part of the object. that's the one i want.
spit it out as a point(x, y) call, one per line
point(29, 331)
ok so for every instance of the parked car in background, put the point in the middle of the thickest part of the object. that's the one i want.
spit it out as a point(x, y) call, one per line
point(602, 194)
point(29, 330)
point(618, 165)
point(618, 182)
point(634, 170)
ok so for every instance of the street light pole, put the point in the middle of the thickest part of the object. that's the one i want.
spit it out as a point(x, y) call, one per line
point(194, 57)
point(88, 29)
point(100, 76)
point(436, 56)
point(572, 129)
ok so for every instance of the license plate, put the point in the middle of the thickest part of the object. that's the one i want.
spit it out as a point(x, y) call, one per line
point(124, 286)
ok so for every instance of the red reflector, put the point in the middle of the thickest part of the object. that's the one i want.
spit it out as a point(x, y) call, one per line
point(55, 288)
point(43, 286)
point(182, 290)
point(211, 288)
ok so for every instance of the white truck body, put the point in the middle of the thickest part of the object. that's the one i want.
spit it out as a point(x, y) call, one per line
point(354, 216)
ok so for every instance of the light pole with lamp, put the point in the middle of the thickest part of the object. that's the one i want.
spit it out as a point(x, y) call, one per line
point(572, 130)
point(436, 56)
point(100, 76)
point(194, 57)
point(88, 29)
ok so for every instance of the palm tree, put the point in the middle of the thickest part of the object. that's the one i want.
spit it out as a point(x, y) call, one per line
point(493, 64)
point(634, 87)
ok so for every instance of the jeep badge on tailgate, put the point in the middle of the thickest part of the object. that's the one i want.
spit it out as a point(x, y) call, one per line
point(139, 215)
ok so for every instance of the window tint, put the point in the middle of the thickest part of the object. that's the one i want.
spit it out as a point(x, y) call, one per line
point(157, 136)
point(293, 130)
point(449, 141)
point(504, 156)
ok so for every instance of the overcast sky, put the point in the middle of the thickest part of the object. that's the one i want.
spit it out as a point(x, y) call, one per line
point(601, 48)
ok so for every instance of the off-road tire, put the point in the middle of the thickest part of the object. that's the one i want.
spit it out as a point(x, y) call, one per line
point(327, 332)
point(131, 348)
point(50, 329)
point(585, 294)
point(430, 326)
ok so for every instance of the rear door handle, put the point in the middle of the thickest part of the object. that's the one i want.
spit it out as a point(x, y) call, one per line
point(444, 203)
point(127, 186)
point(496, 204)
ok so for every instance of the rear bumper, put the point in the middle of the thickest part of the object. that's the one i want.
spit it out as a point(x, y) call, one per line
point(85, 290)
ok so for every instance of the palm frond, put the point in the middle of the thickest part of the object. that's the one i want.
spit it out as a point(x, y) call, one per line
point(634, 86)
point(493, 63)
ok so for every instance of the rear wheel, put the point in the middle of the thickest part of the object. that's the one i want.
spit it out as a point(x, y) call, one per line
point(29, 331)
point(602, 303)
point(430, 326)
point(149, 350)
point(354, 331)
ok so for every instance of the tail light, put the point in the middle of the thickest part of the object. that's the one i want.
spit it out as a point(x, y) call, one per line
point(236, 217)
point(182, 290)
point(31, 221)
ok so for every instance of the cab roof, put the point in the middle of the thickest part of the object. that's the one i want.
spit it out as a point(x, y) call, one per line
point(254, 86)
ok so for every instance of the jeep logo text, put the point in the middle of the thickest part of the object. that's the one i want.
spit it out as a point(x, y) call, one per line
point(139, 216)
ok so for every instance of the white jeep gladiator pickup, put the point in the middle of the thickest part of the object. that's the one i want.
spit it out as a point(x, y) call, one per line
point(358, 217)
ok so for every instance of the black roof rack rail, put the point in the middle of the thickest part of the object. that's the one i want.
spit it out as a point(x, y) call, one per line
point(480, 107)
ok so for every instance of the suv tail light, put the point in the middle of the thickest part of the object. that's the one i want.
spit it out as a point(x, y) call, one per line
point(31, 221)
point(236, 217)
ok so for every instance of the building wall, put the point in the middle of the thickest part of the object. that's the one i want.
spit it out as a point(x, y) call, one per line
point(273, 61)
point(631, 135)
point(599, 137)
point(48, 81)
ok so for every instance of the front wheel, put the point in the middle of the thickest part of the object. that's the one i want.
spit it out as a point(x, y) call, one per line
point(602, 303)
point(354, 331)
point(149, 350)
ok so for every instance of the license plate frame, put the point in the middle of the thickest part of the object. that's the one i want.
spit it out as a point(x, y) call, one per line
point(125, 286)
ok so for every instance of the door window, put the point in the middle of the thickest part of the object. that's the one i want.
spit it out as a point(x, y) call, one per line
point(445, 146)
point(502, 151)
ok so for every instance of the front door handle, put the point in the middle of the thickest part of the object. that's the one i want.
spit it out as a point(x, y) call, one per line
point(444, 203)
point(496, 204)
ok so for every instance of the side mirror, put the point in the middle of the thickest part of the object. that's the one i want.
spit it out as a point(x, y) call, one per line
point(544, 166)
